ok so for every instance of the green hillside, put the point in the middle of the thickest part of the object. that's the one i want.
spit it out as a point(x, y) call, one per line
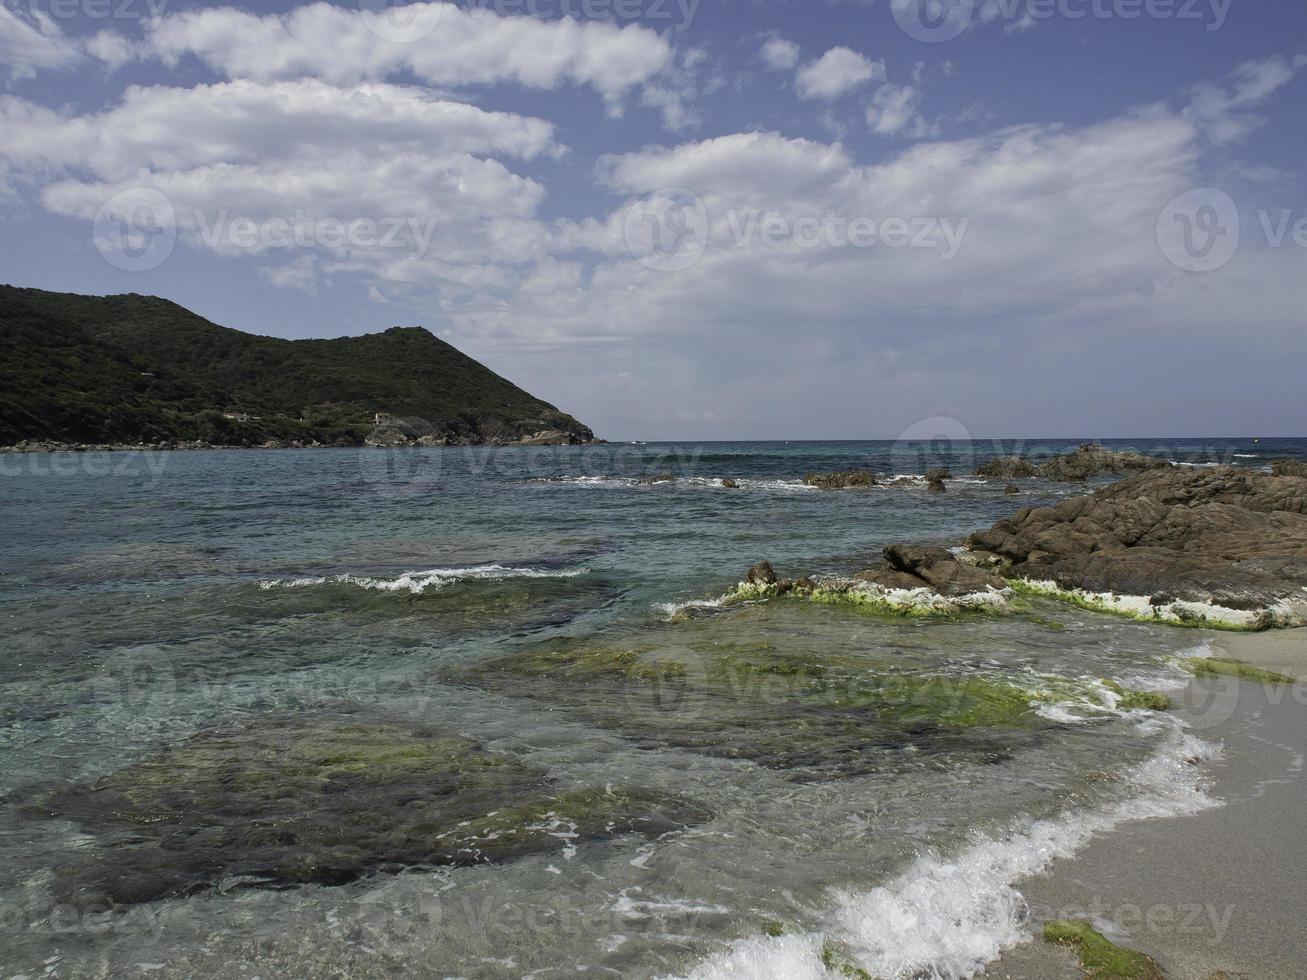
point(132, 369)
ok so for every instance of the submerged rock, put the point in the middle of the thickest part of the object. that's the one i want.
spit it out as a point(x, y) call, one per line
point(659, 478)
point(1011, 489)
point(843, 480)
point(1220, 547)
point(806, 713)
point(729, 484)
point(1227, 667)
point(290, 801)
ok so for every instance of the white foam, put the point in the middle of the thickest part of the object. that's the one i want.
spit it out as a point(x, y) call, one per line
point(1282, 613)
point(418, 582)
point(692, 482)
point(949, 915)
point(1247, 456)
point(670, 610)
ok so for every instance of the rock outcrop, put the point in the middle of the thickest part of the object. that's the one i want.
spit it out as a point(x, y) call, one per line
point(1087, 461)
point(1223, 547)
point(843, 480)
point(915, 580)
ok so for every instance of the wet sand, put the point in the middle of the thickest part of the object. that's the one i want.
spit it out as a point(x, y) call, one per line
point(1219, 894)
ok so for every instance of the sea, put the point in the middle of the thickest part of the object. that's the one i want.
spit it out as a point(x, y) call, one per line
point(492, 712)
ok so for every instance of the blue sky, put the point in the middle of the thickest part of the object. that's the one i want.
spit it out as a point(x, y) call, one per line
point(713, 219)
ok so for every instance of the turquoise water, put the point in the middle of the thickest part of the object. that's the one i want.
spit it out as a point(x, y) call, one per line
point(192, 640)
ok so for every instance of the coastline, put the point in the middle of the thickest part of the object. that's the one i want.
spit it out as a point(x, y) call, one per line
point(1214, 895)
point(50, 448)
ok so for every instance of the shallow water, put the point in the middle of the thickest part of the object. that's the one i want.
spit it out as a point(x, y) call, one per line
point(231, 682)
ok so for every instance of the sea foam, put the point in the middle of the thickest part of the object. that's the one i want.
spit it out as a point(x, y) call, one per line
point(416, 583)
point(948, 915)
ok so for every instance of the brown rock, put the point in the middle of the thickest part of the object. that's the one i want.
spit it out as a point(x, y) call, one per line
point(1233, 537)
point(844, 480)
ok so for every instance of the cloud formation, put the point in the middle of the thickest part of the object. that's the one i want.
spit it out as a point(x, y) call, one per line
point(839, 71)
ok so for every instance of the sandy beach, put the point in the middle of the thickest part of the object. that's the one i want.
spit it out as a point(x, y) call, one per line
point(1218, 894)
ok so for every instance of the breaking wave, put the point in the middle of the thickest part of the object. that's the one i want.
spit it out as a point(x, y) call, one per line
point(416, 583)
point(947, 916)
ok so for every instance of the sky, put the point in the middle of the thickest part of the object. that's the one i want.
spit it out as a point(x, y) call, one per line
point(704, 219)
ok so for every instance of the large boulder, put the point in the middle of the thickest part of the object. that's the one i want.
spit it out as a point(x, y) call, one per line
point(1225, 537)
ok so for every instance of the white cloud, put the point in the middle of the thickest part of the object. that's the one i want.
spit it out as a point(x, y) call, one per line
point(893, 108)
point(838, 71)
point(779, 54)
point(300, 273)
point(450, 47)
point(112, 48)
point(254, 169)
point(243, 122)
point(33, 43)
point(1224, 112)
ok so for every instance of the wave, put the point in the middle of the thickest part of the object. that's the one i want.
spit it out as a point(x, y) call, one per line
point(416, 583)
point(1247, 456)
point(947, 916)
point(672, 610)
point(795, 485)
point(697, 482)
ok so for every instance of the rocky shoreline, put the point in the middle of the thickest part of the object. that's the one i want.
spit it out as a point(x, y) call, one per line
point(1224, 548)
point(540, 439)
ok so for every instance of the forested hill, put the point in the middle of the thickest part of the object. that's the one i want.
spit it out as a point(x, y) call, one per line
point(139, 369)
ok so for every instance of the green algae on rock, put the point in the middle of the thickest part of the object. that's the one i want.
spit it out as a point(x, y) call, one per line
point(873, 597)
point(1144, 610)
point(1226, 667)
point(1101, 958)
point(289, 801)
point(835, 963)
point(1131, 698)
point(800, 712)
